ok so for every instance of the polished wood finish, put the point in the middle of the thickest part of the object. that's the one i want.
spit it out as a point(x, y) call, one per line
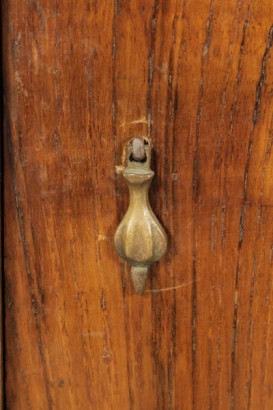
point(81, 78)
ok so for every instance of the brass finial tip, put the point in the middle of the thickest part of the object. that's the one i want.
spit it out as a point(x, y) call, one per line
point(139, 276)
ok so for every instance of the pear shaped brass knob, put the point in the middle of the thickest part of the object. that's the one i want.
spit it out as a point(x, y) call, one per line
point(140, 239)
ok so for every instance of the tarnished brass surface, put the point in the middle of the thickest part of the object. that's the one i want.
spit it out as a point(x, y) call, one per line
point(140, 239)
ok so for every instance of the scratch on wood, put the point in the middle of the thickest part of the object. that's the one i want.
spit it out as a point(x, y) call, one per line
point(103, 303)
point(170, 288)
point(20, 85)
point(142, 120)
point(102, 237)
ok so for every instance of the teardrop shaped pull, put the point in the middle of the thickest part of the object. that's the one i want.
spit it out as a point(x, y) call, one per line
point(140, 239)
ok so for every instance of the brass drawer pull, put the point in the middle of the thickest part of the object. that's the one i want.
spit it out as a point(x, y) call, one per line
point(140, 239)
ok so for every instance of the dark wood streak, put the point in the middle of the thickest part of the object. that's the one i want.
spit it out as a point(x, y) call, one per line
point(262, 78)
point(235, 310)
point(163, 360)
point(114, 85)
point(195, 194)
point(151, 66)
point(250, 320)
point(259, 87)
point(268, 329)
point(34, 297)
point(255, 119)
point(172, 111)
point(250, 338)
point(223, 143)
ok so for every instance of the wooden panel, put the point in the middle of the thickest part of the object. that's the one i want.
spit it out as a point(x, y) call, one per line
point(80, 79)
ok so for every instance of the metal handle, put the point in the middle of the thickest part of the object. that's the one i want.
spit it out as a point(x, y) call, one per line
point(140, 239)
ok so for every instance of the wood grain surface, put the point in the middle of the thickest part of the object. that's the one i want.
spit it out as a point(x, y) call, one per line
point(80, 79)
